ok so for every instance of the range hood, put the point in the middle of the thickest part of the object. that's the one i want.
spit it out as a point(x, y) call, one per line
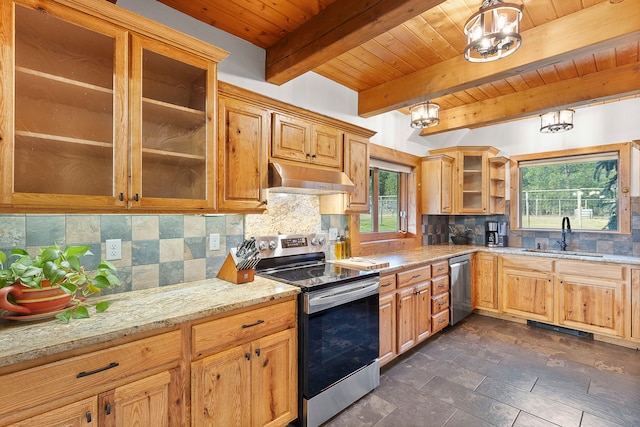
point(289, 178)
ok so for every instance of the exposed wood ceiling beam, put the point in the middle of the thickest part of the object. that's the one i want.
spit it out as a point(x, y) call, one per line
point(340, 27)
point(600, 86)
point(567, 37)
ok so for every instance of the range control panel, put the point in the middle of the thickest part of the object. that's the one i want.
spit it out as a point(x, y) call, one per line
point(290, 244)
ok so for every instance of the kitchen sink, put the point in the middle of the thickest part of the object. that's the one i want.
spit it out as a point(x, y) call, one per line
point(557, 252)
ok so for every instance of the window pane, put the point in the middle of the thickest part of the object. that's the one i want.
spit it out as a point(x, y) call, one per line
point(388, 201)
point(585, 190)
point(366, 225)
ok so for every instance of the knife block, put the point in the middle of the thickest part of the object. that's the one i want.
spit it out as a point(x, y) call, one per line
point(230, 273)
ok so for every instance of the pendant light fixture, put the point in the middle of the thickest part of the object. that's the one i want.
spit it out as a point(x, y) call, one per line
point(424, 115)
point(493, 32)
point(556, 121)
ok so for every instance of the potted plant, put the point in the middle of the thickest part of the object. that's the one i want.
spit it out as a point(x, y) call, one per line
point(53, 280)
point(460, 235)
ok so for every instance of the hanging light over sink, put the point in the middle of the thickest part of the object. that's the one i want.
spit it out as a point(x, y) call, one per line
point(556, 121)
point(425, 115)
point(493, 32)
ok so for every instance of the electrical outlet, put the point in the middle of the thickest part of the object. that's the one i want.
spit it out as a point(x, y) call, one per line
point(333, 233)
point(113, 247)
point(214, 242)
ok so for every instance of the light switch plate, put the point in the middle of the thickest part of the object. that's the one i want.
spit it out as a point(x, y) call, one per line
point(113, 249)
point(214, 242)
point(333, 233)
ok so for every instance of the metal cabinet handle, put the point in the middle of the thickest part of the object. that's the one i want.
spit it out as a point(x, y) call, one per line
point(107, 409)
point(121, 197)
point(253, 324)
point(87, 373)
point(88, 415)
point(247, 356)
point(442, 303)
point(258, 352)
point(415, 276)
point(386, 284)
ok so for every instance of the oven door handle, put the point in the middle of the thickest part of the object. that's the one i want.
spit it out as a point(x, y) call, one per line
point(333, 297)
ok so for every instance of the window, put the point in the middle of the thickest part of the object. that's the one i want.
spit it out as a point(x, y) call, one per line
point(584, 187)
point(387, 200)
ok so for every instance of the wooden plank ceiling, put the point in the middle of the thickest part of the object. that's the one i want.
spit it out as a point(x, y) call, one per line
point(395, 53)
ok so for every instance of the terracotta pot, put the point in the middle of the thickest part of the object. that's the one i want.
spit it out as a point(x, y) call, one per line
point(34, 300)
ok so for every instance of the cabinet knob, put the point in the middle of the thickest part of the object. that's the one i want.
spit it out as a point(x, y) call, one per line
point(264, 202)
point(313, 156)
point(247, 356)
point(258, 352)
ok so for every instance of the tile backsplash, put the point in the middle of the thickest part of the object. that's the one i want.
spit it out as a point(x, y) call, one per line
point(435, 230)
point(157, 250)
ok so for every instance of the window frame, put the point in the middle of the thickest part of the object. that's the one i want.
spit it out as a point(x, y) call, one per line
point(409, 240)
point(402, 207)
point(624, 173)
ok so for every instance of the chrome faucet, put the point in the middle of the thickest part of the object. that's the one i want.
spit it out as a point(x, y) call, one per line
point(566, 228)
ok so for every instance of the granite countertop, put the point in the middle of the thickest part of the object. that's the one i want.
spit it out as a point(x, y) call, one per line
point(428, 254)
point(134, 312)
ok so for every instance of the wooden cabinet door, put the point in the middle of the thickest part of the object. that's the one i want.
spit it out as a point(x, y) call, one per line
point(64, 127)
point(485, 281)
point(326, 146)
point(423, 311)
point(472, 182)
point(83, 413)
point(387, 328)
point(594, 305)
point(274, 384)
point(356, 160)
point(436, 183)
point(291, 138)
point(528, 294)
point(221, 389)
point(635, 304)
point(141, 403)
point(243, 138)
point(172, 105)
point(406, 302)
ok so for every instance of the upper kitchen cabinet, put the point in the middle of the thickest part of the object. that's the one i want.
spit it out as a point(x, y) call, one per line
point(103, 110)
point(437, 177)
point(243, 141)
point(172, 126)
point(301, 140)
point(473, 181)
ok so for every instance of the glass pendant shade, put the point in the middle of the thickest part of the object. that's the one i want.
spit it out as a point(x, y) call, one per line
point(425, 115)
point(493, 32)
point(556, 121)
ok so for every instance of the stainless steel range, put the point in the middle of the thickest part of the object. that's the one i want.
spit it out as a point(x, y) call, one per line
point(338, 341)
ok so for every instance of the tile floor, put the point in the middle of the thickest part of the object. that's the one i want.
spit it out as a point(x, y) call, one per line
point(491, 372)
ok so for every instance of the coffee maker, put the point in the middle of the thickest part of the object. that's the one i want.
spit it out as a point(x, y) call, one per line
point(491, 233)
point(503, 234)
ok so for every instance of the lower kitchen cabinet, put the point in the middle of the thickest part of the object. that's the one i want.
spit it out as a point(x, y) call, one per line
point(252, 379)
point(124, 385)
point(388, 328)
point(413, 307)
point(485, 281)
point(591, 297)
point(440, 297)
point(249, 385)
point(527, 288)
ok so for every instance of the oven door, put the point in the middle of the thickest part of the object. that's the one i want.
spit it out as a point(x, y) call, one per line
point(339, 333)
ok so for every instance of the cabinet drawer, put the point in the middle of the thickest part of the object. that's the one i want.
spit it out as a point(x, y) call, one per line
point(96, 371)
point(415, 275)
point(440, 285)
point(535, 263)
point(239, 328)
point(439, 303)
point(440, 268)
point(387, 283)
point(591, 269)
point(439, 321)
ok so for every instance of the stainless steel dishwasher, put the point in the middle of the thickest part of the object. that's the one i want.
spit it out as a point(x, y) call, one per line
point(460, 275)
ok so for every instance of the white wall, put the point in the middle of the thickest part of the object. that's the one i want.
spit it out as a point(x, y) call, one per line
point(602, 124)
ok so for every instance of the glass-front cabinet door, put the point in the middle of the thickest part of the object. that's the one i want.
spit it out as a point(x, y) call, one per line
point(69, 97)
point(172, 127)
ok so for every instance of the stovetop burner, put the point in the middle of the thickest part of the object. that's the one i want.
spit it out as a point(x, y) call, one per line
point(299, 260)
